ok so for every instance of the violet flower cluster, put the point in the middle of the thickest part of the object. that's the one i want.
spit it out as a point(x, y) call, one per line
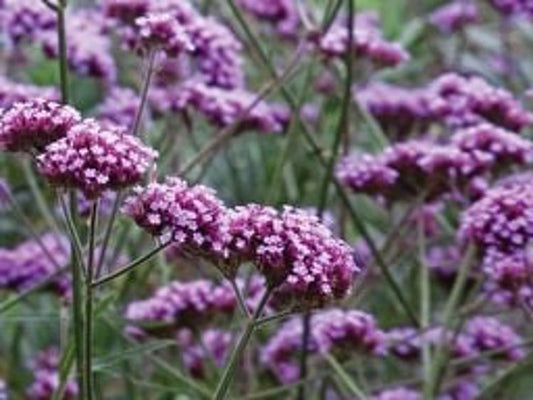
point(95, 159)
point(24, 20)
point(338, 331)
point(513, 8)
point(119, 107)
point(294, 252)
point(34, 124)
point(281, 14)
point(14, 92)
point(367, 42)
point(31, 262)
point(455, 16)
point(46, 378)
point(199, 353)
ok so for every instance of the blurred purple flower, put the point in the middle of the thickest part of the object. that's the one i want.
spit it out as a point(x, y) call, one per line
point(455, 16)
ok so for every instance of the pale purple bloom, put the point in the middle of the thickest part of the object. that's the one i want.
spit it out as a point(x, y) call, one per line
point(14, 92)
point(32, 125)
point(398, 394)
point(464, 389)
point(162, 31)
point(487, 333)
point(24, 20)
point(282, 14)
point(46, 377)
point(511, 8)
point(455, 15)
point(94, 159)
point(3, 390)
point(119, 107)
point(195, 218)
point(125, 10)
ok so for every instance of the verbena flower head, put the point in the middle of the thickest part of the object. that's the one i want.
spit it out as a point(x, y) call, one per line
point(95, 159)
point(194, 217)
point(503, 147)
point(223, 107)
point(343, 332)
point(23, 20)
point(125, 10)
point(513, 8)
point(13, 92)
point(294, 251)
point(455, 16)
point(46, 377)
point(400, 393)
point(282, 14)
point(182, 304)
point(487, 333)
point(162, 31)
point(32, 125)
point(119, 107)
point(501, 222)
point(465, 101)
point(214, 347)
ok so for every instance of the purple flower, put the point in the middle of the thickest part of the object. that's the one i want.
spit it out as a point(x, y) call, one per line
point(399, 110)
point(462, 101)
point(163, 31)
point(32, 125)
point(511, 8)
point(334, 330)
point(3, 390)
point(282, 14)
point(455, 16)
point(294, 251)
point(195, 218)
point(23, 20)
point(487, 333)
point(46, 378)
point(126, 11)
point(501, 146)
point(12, 92)
point(212, 346)
point(94, 159)
point(222, 107)
point(182, 304)
point(398, 394)
point(119, 107)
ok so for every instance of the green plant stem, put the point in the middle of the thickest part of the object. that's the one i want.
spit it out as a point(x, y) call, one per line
point(88, 336)
point(227, 375)
point(344, 377)
point(425, 307)
point(144, 91)
point(240, 299)
point(62, 44)
point(316, 150)
point(107, 235)
point(135, 263)
point(441, 355)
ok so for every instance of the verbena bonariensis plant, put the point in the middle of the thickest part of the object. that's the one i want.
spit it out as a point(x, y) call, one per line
point(258, 199)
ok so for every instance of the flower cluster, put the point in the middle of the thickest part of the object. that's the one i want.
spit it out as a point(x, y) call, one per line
point(95, 159)
point(46, 377)
point(212, 346)
point(24, 20)
point(119, 107)
point(455, 16)
point(125, 11)
point(487, 333)
point(399, 393)
point(399, 110)
point(465, 101)
point(89, 48)
point(182, 304)
point(511, 8)
point(222, 107)
point(33, 261)
point(32, 125)
point(162, 31)
point(13, 92)
point(294, 250)
point(503, 147)
point(282, 14)
point(367, 42)
point(194, 216)
point(330, 330)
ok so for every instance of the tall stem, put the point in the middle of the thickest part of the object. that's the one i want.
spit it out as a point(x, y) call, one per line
point(88, 337)
point(62, 44)
point(225, 381)
point(144, 91)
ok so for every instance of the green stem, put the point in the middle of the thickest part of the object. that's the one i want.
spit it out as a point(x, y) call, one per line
point(107, 235)
point(240, 299)
point(131, 266)
point(89, 303)
point(62, 43)
point(344, 377)
point(225, 381)
point(425, 307)
point(144, 91)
